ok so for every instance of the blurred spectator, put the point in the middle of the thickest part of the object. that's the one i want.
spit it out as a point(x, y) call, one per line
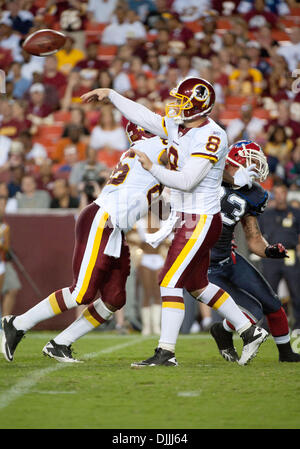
point(30, 197)
point(121, 82)
point(105, 79)
point(292, 128)
point(16, 173)
point(239, 28)
point(38, 107)
point(108, 137)
point(259, 15)
point(281, 223)
point(78, 84)
point(74, 140)
point(253, 51)
point(52, 77)
point(45, 176)
point(209, 29)
point(19, 110)
point(116, 32)
point(62, 198)
point(153, 64)
point(34, 152)
point(77, 118)
point(292, 167)
point(246, 127)
point(291, 52)
point(277, 80)
point(266, 41)
point(142, 7)
point(9, 39)
point(21, 19)
point(177, 29)
point(278, 7)
point(10, 126)
point(135, 30)
point(70, 159)
point(20, 83)
point(101, 11)
point(191, 10)
point(91, 62)
point(245, 80)
point(68, 56)
point(84, 171)
point(279, 145)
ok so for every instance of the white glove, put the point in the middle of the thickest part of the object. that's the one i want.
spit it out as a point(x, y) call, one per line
point(245, 176)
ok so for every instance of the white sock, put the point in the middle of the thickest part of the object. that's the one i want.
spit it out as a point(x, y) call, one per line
point(54, 304)
point(221, 301)
point(226, 327)
point(172, 316)
point(94, 315)
point(77, 329)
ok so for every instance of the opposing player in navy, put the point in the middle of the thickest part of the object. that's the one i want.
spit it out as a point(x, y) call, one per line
point(232, 272)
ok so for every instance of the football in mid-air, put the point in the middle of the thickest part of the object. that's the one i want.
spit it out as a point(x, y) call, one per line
point(44, 42)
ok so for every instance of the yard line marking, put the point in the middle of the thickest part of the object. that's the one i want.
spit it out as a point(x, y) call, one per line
point(23, 386)
point(103, 335)
point(189, 394)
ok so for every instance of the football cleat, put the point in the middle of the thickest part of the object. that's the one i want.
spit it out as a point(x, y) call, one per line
point(61, 353)
point(291, 357)
point(252, 337)
point(161, 357)
point(224, 342)
point(11, 337)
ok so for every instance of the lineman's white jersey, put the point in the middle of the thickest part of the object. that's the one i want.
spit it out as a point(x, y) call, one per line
point(207, 141)
point(130, 188)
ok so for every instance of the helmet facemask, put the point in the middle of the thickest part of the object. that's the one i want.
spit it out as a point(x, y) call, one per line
point(252, 156)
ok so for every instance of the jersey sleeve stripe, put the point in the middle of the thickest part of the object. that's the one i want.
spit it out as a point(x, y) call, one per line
point(164, 126)
point(206, 156)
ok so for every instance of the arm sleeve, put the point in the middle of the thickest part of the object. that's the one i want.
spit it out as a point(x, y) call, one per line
point(189, 177)
point(139, 114)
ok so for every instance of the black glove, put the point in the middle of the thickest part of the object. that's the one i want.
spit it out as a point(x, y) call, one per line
point(276, 251)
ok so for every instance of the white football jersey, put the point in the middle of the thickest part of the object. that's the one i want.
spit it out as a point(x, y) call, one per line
point(208, 141)
point(130, 189)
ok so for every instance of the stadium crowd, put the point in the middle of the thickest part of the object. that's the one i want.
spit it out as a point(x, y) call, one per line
point(55, 151)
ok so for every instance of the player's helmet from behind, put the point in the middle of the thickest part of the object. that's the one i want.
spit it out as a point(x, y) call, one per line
point(195, 98)
point(135, 133)
point(247, 152)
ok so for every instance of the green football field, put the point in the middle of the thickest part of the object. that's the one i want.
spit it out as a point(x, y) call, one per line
point(204, 392)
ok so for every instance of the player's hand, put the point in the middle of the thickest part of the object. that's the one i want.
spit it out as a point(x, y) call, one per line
point(276, 251)
point(144, 160)
point(94, 95)
point(245, 175)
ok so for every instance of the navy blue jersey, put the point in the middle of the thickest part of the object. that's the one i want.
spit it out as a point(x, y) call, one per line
point(236, 204)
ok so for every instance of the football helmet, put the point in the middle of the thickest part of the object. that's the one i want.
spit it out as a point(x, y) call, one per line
point(135, 132)
point(195, 98)
point(245, 153)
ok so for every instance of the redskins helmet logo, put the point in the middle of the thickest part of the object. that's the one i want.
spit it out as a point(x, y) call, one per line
point(201, 93)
